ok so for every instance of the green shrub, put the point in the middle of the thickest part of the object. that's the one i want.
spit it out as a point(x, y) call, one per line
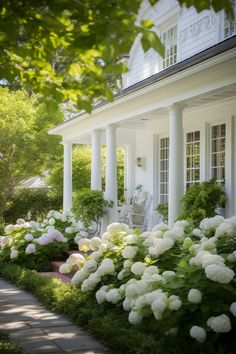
point(90, 206)
point(162, 209)
point(110, 323)
point(31, 204)
point(8, 348)
point(201, 200)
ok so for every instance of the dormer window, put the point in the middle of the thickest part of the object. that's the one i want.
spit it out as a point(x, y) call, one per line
point(169, 40)
point(229, 27)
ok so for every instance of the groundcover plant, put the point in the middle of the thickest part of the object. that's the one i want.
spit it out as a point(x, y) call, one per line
point(34, 244)
point(180, 280)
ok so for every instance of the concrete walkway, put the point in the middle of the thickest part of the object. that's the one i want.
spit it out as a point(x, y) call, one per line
point(38, 330)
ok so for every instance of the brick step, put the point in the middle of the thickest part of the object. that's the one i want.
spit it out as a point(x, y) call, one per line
point(62, 277)
point(70, 252)
point(56, 265)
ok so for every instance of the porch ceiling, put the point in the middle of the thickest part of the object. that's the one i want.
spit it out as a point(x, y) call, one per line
point(141, 121)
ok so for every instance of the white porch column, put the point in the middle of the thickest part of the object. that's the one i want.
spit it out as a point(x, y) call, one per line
point(96, 175)
point(111, 174)
point(129, 169)
point(67, 181)
point(176, 161)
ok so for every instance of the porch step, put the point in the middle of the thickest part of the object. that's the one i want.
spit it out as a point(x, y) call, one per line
point(62, 277)
point(70, 252)
point(56, 265)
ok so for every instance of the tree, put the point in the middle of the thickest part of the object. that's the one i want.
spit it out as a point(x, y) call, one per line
point(68, 49)
point(26, 148)
point(81, 170)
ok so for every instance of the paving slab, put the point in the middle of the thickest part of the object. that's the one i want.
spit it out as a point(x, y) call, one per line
point(39, 330)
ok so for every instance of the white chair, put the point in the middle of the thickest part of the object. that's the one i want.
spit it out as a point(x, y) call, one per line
point(138, 210)
point(135, 214)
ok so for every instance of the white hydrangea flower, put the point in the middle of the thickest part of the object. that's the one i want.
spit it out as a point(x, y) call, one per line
point(131, 290)
point(101, 296)
point(95, 243)
point(69, 230)
point(219, 324)
point(14, 254)
point(65, 268)
point(231, 258)
point(219, 273)
point(182, 224)
point(51, 221)
point(30, 249)
point(232, 308)
point(28, 237)
point(174, 302)
point(130, 239)
point(5, 241)
point(90, 265)
point(75, 259)
point(129, 252)
point(84, 244)
point(135, 317)
point(198, 333)
point(57, 215)
point(79, 277)
point(145, 234)
point(127, 263)
point(195, 296)
point(138, 268)
point(197, 233)
point(117, 227)
point(149, 272)
point(168, 274)
point(161, 246)
point(161, 227)
point(20, 221)
point(205, 258)
point(121, 274)
point(113, 296)
point(96, 255)
point(9, 229)
point(106, 267)
point(158, 307)
point(34, 224)
point(225, 228)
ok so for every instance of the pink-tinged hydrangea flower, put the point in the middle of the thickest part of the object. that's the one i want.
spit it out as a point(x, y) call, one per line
point(30, 249)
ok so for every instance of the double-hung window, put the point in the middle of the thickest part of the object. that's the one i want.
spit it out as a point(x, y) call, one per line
point(192, 158)
point(218, 140)
point(164, 169)
point(169, 40)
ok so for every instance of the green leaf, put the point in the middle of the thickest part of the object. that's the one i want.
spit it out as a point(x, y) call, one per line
point(151, 40)
point(75, 70)
point(147, 23)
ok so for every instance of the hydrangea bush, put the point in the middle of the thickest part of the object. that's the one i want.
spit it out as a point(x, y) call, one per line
point(180, 281)
point(34, 244)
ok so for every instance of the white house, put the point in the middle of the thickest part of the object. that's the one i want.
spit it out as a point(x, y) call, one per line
point(178, 114)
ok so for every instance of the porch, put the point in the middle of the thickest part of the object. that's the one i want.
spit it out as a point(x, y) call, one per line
point(154, 118)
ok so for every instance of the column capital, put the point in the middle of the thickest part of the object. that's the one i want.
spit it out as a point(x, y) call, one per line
point(176, 107)
point(66, 143)
point(112, 126)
